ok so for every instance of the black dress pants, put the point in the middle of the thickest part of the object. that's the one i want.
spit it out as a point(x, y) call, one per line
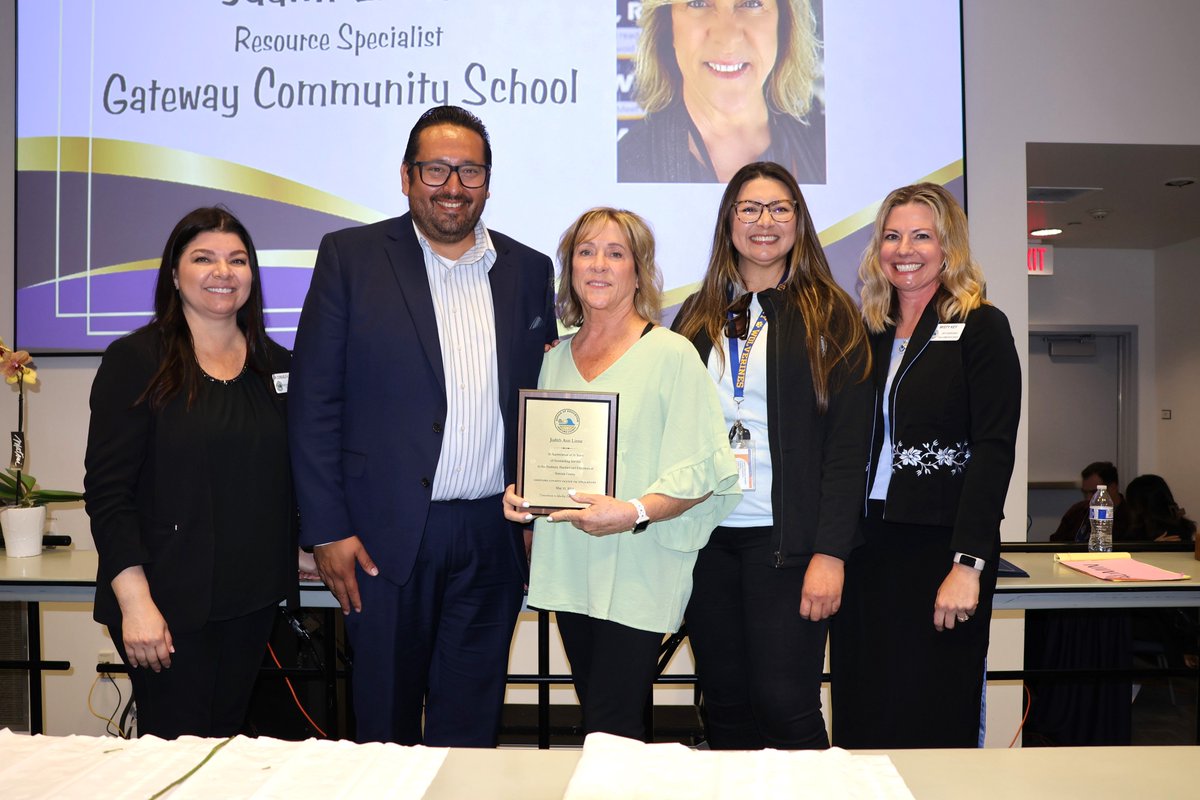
point(897, 681)
point(759, 662)
point(207, 688)
point(613, 667)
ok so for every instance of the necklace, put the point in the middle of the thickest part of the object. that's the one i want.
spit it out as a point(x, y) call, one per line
point(903, 346)
point(223, 381)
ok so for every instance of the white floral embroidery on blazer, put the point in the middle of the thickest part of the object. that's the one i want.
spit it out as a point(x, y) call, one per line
point(930, 456)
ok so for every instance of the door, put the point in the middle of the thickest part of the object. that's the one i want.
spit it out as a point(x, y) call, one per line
point(1077, 401)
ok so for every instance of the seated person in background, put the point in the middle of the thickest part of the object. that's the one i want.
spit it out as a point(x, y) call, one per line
point(1153, 514)
point(1074, 524)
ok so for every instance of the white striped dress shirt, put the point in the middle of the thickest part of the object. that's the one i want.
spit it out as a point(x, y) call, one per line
point(471, 464)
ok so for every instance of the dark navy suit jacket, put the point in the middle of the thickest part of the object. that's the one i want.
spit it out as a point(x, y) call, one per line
point(367, 400)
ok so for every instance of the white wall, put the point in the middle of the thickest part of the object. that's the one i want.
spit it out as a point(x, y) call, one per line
point(1056, 71)
point(1064, 71)
point(1107, 287)
point(1093, 289)
point(1178, 371)
point(1036, 71)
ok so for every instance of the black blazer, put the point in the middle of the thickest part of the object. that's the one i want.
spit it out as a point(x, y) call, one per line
point(368, 392)
point(816, 459)
point(148, 493)
point(953, 410)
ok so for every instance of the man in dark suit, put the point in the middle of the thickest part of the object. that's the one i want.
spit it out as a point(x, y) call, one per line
point(416, 334)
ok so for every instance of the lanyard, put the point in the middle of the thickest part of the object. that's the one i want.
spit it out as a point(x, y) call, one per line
point(739, 379)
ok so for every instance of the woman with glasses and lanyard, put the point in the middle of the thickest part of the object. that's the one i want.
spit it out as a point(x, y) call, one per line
point(787, 350)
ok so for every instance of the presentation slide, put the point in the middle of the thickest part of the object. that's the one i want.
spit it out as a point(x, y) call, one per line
point(294, 114)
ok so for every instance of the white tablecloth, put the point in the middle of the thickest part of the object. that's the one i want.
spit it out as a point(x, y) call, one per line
point(99, 768)
point(613, 767)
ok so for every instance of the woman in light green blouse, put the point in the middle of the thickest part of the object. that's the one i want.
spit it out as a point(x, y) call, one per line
point(618, 572)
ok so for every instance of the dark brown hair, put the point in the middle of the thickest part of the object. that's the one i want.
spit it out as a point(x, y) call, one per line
point(178, 370)
point(833, 329)
point(1153, 511)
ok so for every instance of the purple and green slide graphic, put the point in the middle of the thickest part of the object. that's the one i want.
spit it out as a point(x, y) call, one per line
point(90, 243)
point(295, 114)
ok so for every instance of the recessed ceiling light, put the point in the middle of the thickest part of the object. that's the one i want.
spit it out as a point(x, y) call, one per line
point(1042, 232)
point(1179, 183)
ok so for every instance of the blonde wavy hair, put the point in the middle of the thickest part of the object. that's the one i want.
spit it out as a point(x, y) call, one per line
point(647, 299)
point(789, 86)
point(963, 287)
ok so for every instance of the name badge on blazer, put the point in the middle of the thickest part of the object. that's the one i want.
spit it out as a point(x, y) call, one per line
point(280, 379)
point(948, 332)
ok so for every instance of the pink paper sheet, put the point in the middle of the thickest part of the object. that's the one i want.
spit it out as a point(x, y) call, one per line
point(1121, 569)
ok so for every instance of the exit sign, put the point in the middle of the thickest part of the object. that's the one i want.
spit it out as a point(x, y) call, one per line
point(1039, 259)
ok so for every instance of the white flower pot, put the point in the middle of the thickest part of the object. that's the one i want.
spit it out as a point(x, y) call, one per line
point(23, 531)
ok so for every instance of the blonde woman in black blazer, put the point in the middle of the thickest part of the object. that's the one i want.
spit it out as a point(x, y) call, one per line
point(910, 640)
point(188, 487)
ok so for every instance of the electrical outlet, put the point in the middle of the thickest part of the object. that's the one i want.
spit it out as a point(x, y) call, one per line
point(107, 657)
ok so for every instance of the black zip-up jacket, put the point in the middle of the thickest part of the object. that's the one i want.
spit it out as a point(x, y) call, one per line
point(953, 413)
point(816, 459)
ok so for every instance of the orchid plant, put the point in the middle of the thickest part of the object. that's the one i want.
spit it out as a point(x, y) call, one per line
point(18, 488)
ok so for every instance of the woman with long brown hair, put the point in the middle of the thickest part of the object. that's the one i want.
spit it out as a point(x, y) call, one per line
point(788, 353)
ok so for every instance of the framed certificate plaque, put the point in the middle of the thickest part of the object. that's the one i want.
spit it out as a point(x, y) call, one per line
point(565, 440)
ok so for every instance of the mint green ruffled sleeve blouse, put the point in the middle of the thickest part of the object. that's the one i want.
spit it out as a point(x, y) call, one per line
point(671, 440)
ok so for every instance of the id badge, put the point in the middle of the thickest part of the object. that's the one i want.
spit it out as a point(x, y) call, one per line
point(948, 332)
point(743, 455)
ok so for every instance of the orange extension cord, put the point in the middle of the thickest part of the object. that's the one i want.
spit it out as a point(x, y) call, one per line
point(1021, 727)
point(292, 689)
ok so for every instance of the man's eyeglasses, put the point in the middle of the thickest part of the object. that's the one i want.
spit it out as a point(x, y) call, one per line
point(751, 211)
point(737, 326)
point(436, 173)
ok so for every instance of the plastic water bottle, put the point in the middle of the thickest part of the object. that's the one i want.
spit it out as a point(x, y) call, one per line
point(1100, 516)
